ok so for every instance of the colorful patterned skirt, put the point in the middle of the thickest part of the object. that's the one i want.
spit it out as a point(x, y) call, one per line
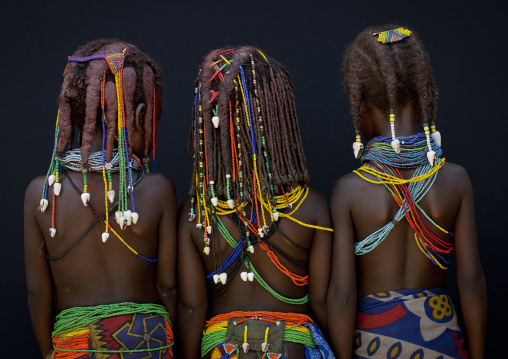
point(409, 323)
point(115, 331)
point(262, 335)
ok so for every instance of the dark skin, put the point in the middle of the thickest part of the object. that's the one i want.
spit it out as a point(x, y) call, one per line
point(359, 208)
point(93, 272)
point(195, 306)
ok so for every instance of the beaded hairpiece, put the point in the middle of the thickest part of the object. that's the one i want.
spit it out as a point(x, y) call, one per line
point(393, 35)
point(123, 215)
point(237, 126)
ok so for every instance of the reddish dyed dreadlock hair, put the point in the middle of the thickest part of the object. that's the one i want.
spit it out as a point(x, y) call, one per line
point(388, 75)
point(80, 104)
point(275, 132)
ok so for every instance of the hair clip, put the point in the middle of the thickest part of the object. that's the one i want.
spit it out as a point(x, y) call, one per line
point(393, 35)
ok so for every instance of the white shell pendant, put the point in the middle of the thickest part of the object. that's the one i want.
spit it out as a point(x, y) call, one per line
point(52, 232)
point(265, 229)
point(251, 248)
point(135, 217)
point(51, 180)
point(264, 347)
point(105, 236)
point(261, 233)
point(122, 221)
point(231, 203)
point(246, 347)
point(111, 195)
point(436, 136)
point(216, 278)
point(209, 229)
point(432, 157)
point(57, 188)
point(215, 121)
point(85, 198)
point(128, 217)
point(223, 277)
point(118, 214)
point(215, 201)
point(396, 145)
point(275, 216)
point(206, 250)
point(43, 204)
point(250, 276)
point(199, 225)
point(243, 275)
point(357, 149)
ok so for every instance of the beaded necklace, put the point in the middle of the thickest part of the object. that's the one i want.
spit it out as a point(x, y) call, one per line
point(380, 162)
point(207, 207)
point(72, 161)
point(413, 151)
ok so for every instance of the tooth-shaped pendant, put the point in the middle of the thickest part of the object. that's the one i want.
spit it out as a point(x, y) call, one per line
point(105, 236)
point(216, 278)
point(128, 217)
point(215, 121)
point(199, 225)
point(135, 217)
point(122, 221)
point(209, 229)
point(57, 188)
point(357, 149)
point(231, 203)
point(243, 275)
point(265, 229)
point(251, 249)
point(275, 216)
point(250, 276)
point(264, 347)
point(215, 201)
point(51, 180)
point(43, 204)
point(206, 250)
point(432, 157)
point(52, 232)
point(223, 277)
point(261, 233)
point(111, 195)
point(437, 137)
point(396, 145)
point(85, 198)
point(245, 347)
point(192, 217)
point(118, 214)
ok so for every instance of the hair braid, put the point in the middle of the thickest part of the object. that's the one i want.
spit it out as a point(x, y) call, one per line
point(388, 75)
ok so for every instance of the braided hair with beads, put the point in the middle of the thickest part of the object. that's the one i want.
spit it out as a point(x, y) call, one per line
point(103, 81)
point(389, 73)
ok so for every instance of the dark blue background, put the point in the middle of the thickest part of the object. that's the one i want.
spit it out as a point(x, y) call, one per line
point(466, 42)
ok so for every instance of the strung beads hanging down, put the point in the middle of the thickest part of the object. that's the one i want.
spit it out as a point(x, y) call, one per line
point(123, 216)
point(436, 135)
point(395, 141)
point(431, 154)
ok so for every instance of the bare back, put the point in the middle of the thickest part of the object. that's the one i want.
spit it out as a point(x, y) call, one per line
point(310, 248)
point(89, 272)
point(398, 262)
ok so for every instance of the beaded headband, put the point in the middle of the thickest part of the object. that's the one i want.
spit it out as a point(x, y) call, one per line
point(393, 35)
